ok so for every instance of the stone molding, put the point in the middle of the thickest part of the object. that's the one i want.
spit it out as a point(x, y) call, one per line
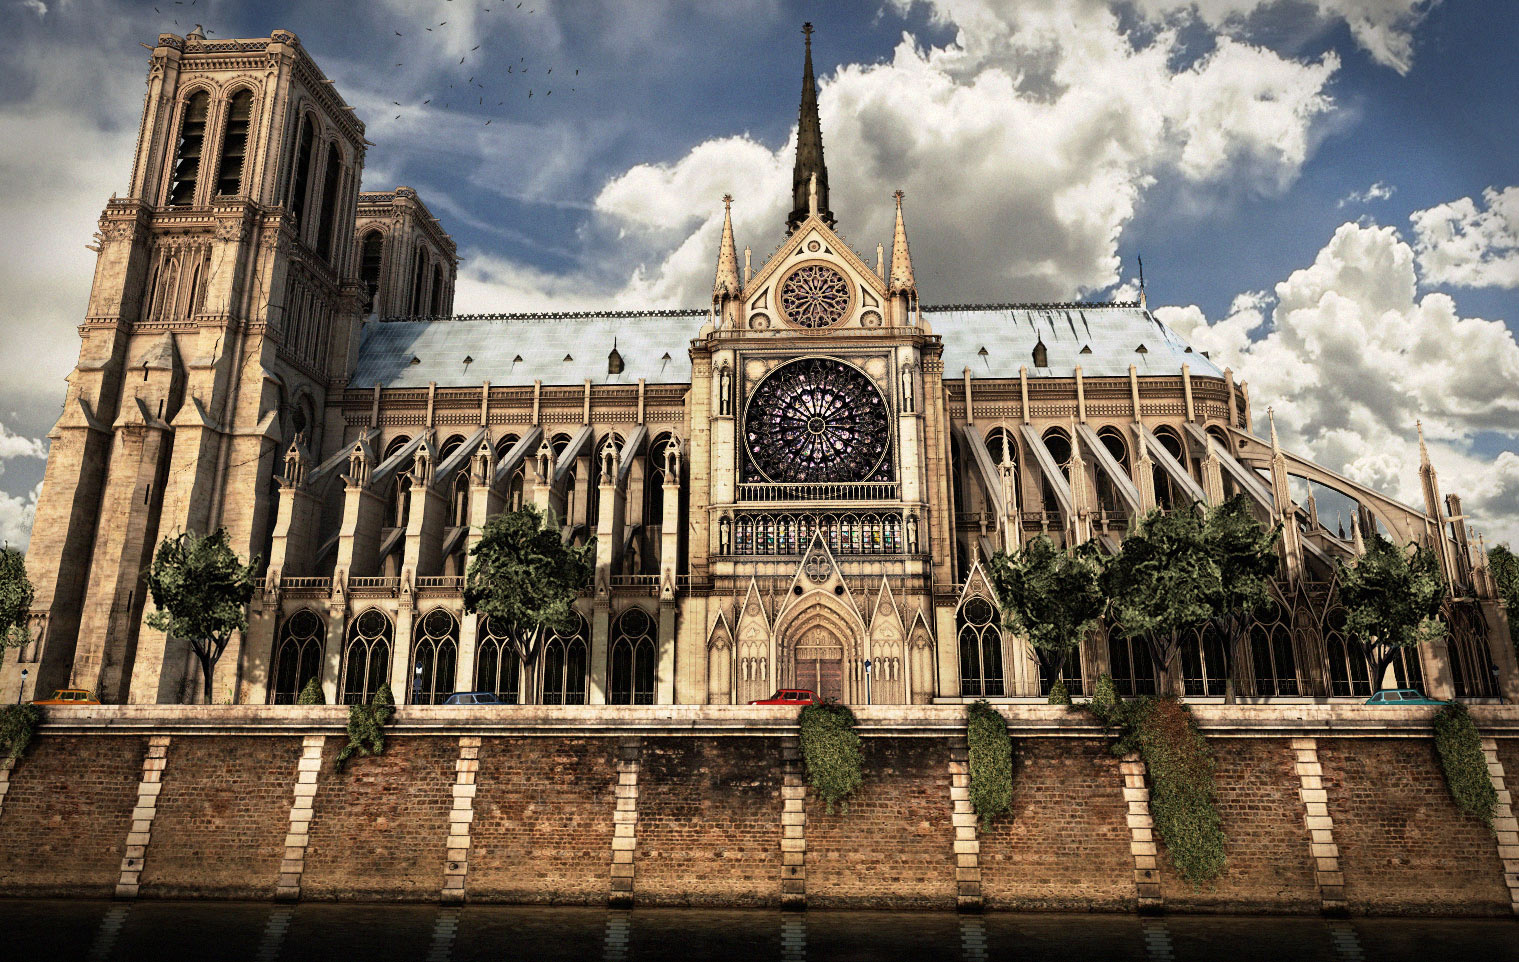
point(1320, 825)
point(1505, 825)
point(141, 834)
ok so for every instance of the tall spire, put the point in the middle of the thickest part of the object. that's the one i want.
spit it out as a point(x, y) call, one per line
point(809, 149)
point(726, 283)
point(901, 261)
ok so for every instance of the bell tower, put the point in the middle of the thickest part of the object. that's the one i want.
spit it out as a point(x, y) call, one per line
point(223, 308)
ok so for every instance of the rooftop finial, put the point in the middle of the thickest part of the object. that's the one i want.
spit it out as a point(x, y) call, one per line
point(901, 261)
point(1423, 448)
point(1275, 448)
point(1141, 279)
point(809, 150)
point(726, 284)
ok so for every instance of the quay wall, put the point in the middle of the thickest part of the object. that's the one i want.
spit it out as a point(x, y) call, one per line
point(1324, 809)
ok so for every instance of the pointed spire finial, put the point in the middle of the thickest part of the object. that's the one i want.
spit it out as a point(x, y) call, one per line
point(1423, 448)
point(1275, 447)
point(809, 151)
point(902, 281)
point(1141, 279)
point(726, 284)
point(1357, 540)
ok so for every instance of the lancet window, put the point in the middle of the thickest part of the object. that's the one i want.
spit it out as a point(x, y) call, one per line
point(298, 658)
point(229, 169)
point(497, 667)
point(632, 669)
point(366, 657)
point(564, 666)
point(980, 649)
point(786, 533)
point(435, 655)
point(187, 153)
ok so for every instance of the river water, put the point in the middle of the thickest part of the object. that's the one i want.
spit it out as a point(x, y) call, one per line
point(259, 932)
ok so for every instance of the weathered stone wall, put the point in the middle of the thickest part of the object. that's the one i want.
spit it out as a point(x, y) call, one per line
point(709, 822)
point(64, 825)
point(543, 820)
point(1064, 844)
point(1322, 808)
point(1404, 847)
point(222, 814)
point(380, 823)
point(895, 844)
point(1269, 864)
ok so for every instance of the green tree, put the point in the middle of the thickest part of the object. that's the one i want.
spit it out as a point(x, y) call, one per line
point(15, 600)
point(1164, 581)
point(1391, 597)
point(201, 590)
point(1245, 552)
point(1051, 597)
point(1504, 565)
point(525, 578)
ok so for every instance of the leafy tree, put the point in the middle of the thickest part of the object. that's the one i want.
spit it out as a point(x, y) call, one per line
point(1164, 581)
point(1391, 598)
point(525, 579)
point(15, 600)
point(1050, 596)
point(1245, 551)
point(1504, 565)
point(201, 590)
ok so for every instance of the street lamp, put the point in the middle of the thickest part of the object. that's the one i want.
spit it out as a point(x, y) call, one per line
point(21, 690)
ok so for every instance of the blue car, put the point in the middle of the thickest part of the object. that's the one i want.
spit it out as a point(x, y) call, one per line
point(473, 698)
point(1401, 696)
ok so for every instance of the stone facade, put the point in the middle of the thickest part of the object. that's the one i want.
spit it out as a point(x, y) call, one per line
point(791, 485)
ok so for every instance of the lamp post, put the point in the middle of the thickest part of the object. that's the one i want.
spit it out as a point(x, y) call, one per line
point(20, 691)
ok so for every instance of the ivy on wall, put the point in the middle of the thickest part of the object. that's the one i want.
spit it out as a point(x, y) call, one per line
point(17, 725)
point(991, 761)
point(366, 726)
point(1180, 769)
point(831, 752)
point(1465, 765)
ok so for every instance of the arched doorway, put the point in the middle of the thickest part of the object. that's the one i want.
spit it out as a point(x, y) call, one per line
point(821, 652)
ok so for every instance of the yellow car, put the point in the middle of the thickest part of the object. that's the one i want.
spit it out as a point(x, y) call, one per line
point(69, 696)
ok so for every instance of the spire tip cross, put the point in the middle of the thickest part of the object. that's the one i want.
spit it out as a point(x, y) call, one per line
point(807, 29)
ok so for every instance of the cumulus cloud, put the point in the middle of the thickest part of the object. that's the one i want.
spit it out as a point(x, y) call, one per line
point(1350, 356)
point(1461, 245)
point(16, 446)
point(1377, 191)
point(1055, 118)
point(16, 513)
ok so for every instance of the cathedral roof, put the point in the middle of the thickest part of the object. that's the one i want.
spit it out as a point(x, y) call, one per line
point(993, 340)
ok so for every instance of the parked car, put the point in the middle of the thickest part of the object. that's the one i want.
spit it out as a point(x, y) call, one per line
point(789, 696)
point(1401, 696)
point(69, 696)
point(473, 698)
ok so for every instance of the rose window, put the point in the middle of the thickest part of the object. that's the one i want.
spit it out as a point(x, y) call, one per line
point(816, 420)
point(815, 296)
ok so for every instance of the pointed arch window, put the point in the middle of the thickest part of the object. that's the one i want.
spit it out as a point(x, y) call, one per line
point(980, 649)
point(371, 251)
point(564, 666)
point(366, 657)
point(437, 290)
point(497, 667)
point(435, 654)
point(419, 274)
point(324, 233)
point(229, 169)
point(1131, 666)
point(298, 658)
point(633, 659)
point(300, 185)
point(187, 153)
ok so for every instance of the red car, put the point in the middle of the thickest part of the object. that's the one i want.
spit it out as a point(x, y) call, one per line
point(789, 696)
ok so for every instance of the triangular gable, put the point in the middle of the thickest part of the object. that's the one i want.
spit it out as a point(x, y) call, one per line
point(977, 585)
point(920, 631)
point(886, 616)
point(720, 635)
point(813, 228)
point(752, 612)
point(818, 573)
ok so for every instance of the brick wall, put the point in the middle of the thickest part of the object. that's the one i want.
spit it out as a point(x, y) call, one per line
point(64, 826)
point(1270, 865)
point(896, 842)
point(709, 821)
point(543, 820)
point(1064, 843)
point(1403, 845)
point(222, 815)
point(379, 825)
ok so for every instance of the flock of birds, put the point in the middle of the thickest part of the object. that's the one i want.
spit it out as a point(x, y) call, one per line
point(514, 72)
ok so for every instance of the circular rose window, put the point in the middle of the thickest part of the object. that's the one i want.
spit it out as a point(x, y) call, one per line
point(815, 295)
point(816, 420)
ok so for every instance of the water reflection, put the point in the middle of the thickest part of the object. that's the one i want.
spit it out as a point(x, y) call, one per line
point(327, 932)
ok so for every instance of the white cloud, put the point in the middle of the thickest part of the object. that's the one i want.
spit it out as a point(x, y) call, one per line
point(1053, 120)
point(34, 6)
point(16, 515)
point(1350, 356)
point(1377, 191)
point(1462, 246)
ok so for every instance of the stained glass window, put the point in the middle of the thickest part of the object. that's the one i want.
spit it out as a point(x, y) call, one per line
point(815, 295)
point(817, 420)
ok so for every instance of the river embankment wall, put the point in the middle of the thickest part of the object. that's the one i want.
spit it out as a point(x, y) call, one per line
point(1324, 808)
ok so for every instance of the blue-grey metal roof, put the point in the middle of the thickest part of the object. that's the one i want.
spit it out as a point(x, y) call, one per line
point(994, 341)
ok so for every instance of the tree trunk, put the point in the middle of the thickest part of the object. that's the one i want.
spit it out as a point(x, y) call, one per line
point(207, 666)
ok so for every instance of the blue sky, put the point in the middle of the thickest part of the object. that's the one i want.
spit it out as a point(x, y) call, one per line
point(1320, 189)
